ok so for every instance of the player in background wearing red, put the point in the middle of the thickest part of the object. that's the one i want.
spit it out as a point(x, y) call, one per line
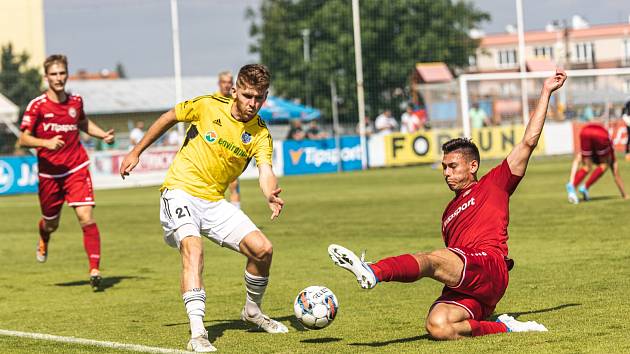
point(474, 266)
point(597, 149)
point(51, 124)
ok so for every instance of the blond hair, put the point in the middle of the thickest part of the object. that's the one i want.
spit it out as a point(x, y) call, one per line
point(55, 59)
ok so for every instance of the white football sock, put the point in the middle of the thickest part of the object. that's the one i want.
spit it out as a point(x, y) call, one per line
point(256, 286)
point(195, 302)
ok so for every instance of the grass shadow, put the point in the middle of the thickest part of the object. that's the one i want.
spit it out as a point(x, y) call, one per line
point(549, 309)
point(218, 327)
point(600, 198)
point(394, 341)
point(106, 282)
point(321, 340)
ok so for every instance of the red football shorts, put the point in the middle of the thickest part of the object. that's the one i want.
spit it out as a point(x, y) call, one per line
point(75, 189)
point(594, 142)
point(484, 281)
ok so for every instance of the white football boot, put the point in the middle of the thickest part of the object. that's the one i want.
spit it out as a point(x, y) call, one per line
point(347, 260)
point(517, 326)
point(264, 323)
point(573, 198)
point(201, 344)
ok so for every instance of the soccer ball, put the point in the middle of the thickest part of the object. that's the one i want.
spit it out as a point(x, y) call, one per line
point(316, 307)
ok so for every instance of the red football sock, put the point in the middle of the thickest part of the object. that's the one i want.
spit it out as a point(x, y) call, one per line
point(45, 235)
point(579, 176)
point(92, 244)
point(403, 268)
point(482, 328)
point(599, 171)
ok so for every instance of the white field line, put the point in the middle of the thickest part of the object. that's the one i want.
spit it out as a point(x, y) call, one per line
point(82, 341)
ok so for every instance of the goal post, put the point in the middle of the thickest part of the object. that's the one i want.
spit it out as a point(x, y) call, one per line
point(587, 93)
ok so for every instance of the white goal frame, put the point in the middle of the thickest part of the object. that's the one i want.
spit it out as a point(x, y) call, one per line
point(464, 79)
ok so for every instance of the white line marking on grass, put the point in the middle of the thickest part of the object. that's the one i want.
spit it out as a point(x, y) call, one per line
point(82, 341)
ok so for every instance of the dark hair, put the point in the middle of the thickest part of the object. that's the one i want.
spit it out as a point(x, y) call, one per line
point(256, 75)
point(466, 145)
point(55, 59)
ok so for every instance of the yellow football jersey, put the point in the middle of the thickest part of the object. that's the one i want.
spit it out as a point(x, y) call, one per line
point(217, 147)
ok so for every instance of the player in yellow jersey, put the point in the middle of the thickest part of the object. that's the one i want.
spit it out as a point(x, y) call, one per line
point(225, 90)
point(222, 138)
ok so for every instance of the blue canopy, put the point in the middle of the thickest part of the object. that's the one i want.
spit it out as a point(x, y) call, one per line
point(278, 109)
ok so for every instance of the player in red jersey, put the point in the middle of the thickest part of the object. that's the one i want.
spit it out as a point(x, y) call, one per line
point(474, 265)
point(51, 124)
point(595, 149)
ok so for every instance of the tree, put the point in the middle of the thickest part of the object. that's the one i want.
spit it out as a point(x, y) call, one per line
point(18, 82)
point(395, 35)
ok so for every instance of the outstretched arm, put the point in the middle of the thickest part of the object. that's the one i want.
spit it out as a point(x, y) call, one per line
point(519, 156)
point(159, 127)
point(618, 181)
point(269, 186)
point(92, 129)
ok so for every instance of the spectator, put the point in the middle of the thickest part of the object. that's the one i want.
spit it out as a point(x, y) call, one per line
point(296, 132)
point(570, 113)
point(314, 133)
point(369, 127)
point(587, 114)
point(409, 121)
point(136, 134)
point(385, 123)
point(173, 138)
point(625, 115)
point(478, 117)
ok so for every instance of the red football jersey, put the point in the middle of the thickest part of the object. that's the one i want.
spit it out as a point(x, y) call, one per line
point(46, 119)
point(478, 216)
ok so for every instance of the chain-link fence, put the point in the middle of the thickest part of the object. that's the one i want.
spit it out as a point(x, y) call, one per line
point(413, 52)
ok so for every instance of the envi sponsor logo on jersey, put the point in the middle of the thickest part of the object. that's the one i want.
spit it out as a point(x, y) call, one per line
point(211, 136)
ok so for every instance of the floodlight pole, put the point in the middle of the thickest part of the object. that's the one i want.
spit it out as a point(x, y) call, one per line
point(335, 116)
point(358, 62)
point(521, 59)
point(177, 59)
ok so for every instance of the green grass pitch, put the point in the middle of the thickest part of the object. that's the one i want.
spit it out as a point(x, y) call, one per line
point(572, 268)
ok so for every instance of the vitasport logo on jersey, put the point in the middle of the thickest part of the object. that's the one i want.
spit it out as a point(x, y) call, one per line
point(211, 136)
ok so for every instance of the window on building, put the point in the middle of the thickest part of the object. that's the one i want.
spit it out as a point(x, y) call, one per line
point(544, 52)
point(626, 52)
point(506, 57)
point(584, 52)
point(472, 60)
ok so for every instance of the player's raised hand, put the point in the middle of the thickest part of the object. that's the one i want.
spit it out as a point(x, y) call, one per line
point(275, 203)
point(109, 137)
point(556, 81)
point(55, 143)
point(128, 164)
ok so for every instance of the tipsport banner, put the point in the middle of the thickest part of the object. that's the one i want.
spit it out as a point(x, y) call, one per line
point(18, 174)
point(321, 156)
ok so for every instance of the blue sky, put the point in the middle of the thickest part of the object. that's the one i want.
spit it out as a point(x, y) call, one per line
point(97, 34)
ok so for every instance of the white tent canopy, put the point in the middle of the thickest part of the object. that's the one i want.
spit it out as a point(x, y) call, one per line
point(8, 110)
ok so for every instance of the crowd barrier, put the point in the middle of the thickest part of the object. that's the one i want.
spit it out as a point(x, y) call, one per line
point(19, 174)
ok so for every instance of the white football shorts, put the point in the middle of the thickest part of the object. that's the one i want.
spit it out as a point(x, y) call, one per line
point(182, 215)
